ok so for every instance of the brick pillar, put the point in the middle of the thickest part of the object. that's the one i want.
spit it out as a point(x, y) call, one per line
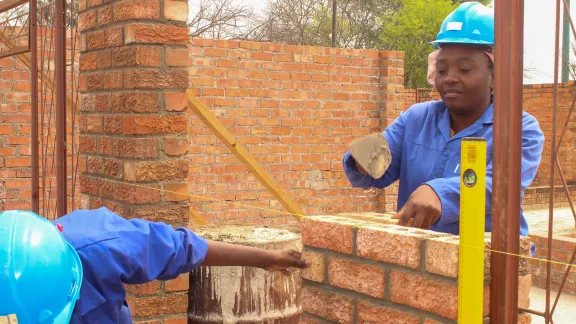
point(133, 126)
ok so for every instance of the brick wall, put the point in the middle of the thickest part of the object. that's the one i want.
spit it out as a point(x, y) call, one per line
point(365, 270)
point(15, 131)
point(562, 249)
point(295, 109)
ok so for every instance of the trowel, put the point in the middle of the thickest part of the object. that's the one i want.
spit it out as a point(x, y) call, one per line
point(371, 154)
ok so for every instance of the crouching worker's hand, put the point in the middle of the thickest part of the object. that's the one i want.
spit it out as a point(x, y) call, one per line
point(285, 259)
point(226, 254)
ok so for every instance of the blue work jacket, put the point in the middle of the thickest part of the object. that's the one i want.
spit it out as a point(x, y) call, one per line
point(424, 153)
point(115, 251)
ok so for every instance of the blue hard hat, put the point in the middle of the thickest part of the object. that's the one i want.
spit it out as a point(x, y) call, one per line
point(40, 273)
point(471, 23)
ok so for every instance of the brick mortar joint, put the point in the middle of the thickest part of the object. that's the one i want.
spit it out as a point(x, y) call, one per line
point(358, 297)
point(387, 267)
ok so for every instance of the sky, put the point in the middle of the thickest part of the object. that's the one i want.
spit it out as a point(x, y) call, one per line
point(539, 25)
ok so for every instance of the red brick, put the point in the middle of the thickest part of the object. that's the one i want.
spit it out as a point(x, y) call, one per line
point(396, 245)
point(161, 305)
point(113, 80)
point(156, 33)
point(140, 102)
point(332, 306)
point(106, 167)
point(333, 233)
point(95, 81)
point(95, 40)
point(94, 3)
point(141, 125)
point(104, 60)
point(155, 171)
point(113, 124)
point(105, 16)
point(174, 146)
point(87, 103)
point(176, 320)
point(179, 284)
point(86, 20)
point(114, 36)
point(442, 256)
point(138, 148)
point(176, 10)
point(144, 9)
point(136, 56)
point(434, 296)
point(363, 278)
point(177, 56)
point(176, 101)
point(154, 79)
point(169, 214)
point(317, 263)
point(130, 194)
point(370, 313)
point(177, 192)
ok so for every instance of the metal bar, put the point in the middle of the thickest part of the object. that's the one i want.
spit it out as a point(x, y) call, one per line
point(14, 51)
point(553, 157)
point(60, 67)
point(563, 282)
point(10, 4)
point(33, 23)
point(531, 311)
point(565, 125)
point(566, 44)
point(509, 39)
point(566, 190)
point(334, 8)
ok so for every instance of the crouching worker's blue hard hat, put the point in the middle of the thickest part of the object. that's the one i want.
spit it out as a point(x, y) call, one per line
point(40, 273)
point(471, 23)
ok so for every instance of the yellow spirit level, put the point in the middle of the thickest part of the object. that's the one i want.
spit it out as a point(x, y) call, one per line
point(472, 227)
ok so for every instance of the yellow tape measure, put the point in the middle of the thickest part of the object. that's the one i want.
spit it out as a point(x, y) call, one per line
point(472, 223)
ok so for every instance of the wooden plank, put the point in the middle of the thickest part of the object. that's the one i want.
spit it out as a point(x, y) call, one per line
point(11, 4)
point(248, 160)
point(196, 217)
point(14, 51)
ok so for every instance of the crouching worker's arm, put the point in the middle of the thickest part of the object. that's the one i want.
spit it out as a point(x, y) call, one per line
point(225, 254)
point(156, 251)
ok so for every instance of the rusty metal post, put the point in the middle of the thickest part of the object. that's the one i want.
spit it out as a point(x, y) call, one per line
point(60, 67)
point(334, 17)
point(553, 156)
point(509, 40)
point(33, 39)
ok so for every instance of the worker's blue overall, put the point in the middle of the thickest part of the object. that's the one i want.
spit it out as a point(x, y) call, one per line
point(424, 153)
point(115, 251)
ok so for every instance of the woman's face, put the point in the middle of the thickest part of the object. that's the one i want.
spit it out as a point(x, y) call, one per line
point(464, 78)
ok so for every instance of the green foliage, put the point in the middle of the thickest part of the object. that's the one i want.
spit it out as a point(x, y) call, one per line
point(410, 30)
point(403, 25)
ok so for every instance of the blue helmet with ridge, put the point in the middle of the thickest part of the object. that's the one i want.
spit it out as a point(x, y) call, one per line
point(471, 23)
point(40, 272)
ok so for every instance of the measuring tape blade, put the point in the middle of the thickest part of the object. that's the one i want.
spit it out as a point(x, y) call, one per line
point(472, 227)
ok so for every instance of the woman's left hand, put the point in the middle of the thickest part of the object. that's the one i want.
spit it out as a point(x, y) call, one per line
point(423, 207)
